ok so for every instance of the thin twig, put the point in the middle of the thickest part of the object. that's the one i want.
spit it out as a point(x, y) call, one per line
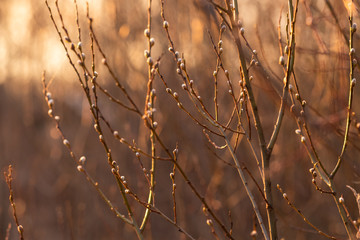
point(302, 215)
point(9, 178)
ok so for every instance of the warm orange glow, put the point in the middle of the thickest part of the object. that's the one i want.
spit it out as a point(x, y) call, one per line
point(197, 31)
point(124, 31)
point(350, 7)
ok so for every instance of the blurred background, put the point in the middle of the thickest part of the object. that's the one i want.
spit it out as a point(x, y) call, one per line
point(54, 201)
